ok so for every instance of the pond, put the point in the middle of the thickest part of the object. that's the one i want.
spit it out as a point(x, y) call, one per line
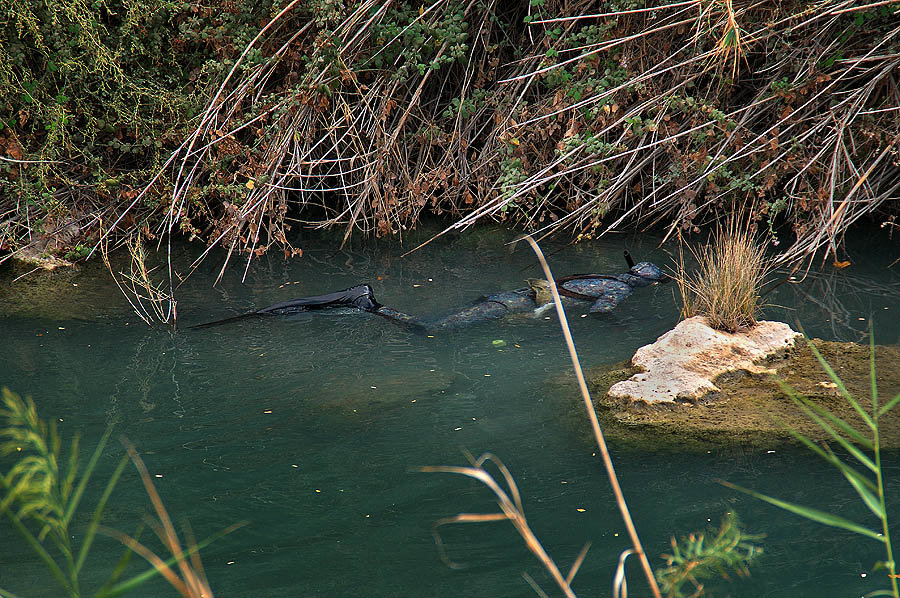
point(311, 427)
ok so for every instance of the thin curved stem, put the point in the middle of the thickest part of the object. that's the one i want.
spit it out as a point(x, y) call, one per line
point(595, 423)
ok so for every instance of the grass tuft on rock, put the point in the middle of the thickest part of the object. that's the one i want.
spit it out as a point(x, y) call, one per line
point(726, 286)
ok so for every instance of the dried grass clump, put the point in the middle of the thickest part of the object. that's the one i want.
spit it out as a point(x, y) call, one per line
point(142, 287)
point(726, 287)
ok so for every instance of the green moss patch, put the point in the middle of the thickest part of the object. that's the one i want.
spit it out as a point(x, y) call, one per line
point(752, 409)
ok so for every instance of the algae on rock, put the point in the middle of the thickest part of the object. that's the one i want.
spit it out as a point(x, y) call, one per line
point(752, 407)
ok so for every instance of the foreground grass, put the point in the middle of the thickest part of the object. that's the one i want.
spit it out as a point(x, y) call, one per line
point(41, 494)
point(861, 466)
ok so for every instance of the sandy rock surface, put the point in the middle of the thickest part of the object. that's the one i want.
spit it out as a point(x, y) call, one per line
point(682, 363)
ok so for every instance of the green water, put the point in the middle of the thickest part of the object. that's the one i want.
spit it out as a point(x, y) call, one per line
point(310, 427)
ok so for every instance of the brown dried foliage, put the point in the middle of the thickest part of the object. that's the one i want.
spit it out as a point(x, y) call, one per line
point(671, 113)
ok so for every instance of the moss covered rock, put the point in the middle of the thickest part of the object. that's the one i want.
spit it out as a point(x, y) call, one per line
point(754, 407)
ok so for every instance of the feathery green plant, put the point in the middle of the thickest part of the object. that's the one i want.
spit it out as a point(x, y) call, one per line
point(702, 556)
point(40, 497)
point(862, 443)
point(43, 489)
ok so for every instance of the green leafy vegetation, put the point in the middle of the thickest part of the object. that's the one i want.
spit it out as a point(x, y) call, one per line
point(41, 495)
point(699, 557)
point(43, 489)
point(228, 121)
point(93, 97)
point(860, 463)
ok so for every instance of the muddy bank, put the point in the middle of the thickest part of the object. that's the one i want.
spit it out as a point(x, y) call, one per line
point(749, 408)
point(82, 293)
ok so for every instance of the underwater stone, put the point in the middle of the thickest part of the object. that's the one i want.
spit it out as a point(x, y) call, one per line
point(682, 364)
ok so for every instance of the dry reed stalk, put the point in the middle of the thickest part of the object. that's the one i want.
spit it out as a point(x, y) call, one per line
point(146, 296)
point(512, 508)
point(510, 503)
point(595, 423)
point(189, 579)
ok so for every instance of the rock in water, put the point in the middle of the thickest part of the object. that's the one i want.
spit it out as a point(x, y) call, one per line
point(681, 365)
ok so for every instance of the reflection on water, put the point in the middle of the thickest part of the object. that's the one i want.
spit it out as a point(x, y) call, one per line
point(840, 304)
point(309, 426)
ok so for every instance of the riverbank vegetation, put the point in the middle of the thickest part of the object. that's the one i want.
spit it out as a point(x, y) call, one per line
point(234, 122)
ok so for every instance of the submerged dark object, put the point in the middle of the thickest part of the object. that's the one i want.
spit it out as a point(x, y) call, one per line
point(361, 297)
point(603, 291)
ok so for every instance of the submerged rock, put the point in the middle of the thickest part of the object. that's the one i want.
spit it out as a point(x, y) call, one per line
point(682, 364)
point(45, 251)
point(83, 293)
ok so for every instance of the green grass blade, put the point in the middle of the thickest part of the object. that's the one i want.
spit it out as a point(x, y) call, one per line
point(72, 470)
point(843, 426)
point(42, 553)
point(873, 383)
point(889, 405)
point(98, 512)
point(11, 494)
point(120, 566)
point(862, 486)
point(840, 384)
point(7, 594)
point(810, 513)
point(807, 407)
point(133, 582)
point(823, 412)
point(851, 474)
point(76, 497)
point(51, 453)
point(130, 584)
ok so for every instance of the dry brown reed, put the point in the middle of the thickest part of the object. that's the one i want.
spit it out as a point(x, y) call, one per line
point(511, 503)
point(727, 285)
point(144, 292)
point(553, 115)
point(187, 576)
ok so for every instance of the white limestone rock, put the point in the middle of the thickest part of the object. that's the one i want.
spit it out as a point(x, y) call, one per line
point(682, 363)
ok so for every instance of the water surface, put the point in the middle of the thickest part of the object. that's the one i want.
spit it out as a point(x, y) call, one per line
point(311, 427)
